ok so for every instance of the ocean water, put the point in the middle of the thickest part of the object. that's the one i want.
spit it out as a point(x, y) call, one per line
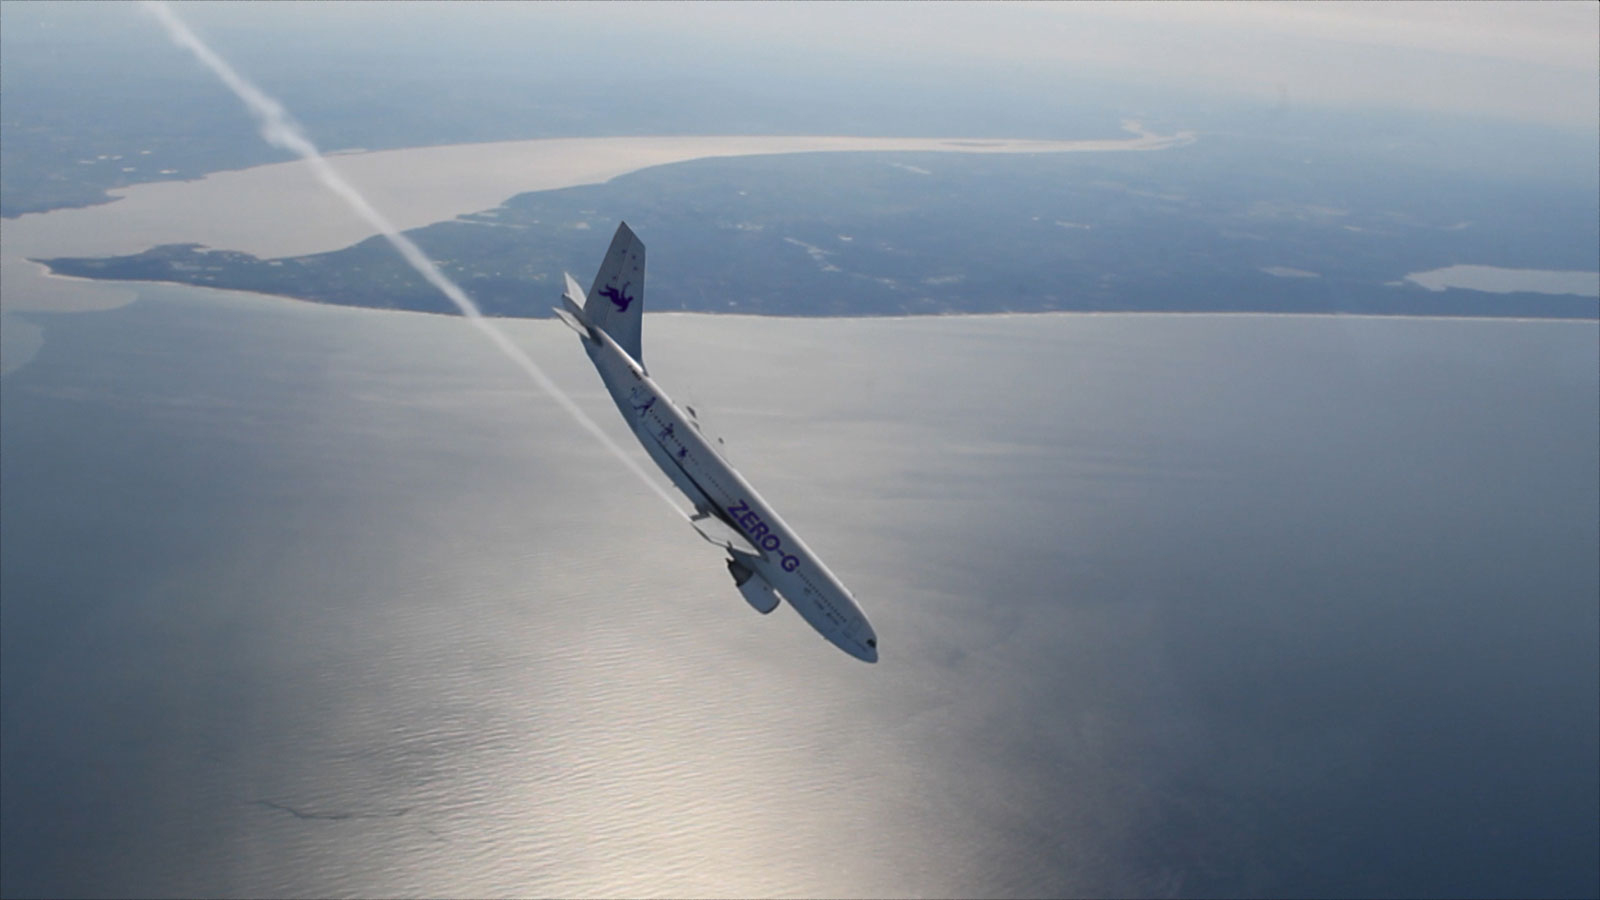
point(304, 601)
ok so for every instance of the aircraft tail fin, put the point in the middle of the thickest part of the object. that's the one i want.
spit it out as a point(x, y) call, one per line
point(615, 302)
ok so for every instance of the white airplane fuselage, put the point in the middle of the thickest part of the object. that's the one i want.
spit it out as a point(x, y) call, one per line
point(674, 440)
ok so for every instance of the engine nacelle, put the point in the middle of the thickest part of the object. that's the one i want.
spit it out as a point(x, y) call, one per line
point(753, 587)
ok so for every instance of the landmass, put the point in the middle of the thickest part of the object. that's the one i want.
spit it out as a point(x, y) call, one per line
point(849, 234)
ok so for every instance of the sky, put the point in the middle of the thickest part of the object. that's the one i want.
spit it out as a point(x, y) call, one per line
point(1533, 61)
point(1528, 61)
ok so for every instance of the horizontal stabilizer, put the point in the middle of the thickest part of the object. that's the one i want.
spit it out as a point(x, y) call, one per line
point(572, 293)
point(571, 320)
point(720, 533)
point(571, 310)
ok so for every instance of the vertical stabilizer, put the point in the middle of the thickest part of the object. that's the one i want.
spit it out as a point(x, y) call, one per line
point(616, 300)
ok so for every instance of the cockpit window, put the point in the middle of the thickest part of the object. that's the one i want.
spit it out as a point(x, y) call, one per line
point(873, 643)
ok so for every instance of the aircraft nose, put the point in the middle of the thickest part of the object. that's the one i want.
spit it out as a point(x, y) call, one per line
point(869, 650)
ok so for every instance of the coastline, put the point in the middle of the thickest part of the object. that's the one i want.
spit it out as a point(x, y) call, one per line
point(413, 187)
point(422, 185)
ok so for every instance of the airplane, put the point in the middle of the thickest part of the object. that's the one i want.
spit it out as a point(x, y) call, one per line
point(766, 559)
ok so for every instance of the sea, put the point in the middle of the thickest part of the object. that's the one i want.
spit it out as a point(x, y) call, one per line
point(298, 600)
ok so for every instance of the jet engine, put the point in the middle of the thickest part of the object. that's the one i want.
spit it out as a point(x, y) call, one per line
point(753, 587)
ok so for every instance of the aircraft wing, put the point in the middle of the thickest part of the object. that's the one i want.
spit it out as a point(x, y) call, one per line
point(720, 533)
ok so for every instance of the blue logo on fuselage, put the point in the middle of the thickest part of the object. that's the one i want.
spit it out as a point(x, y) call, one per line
point(760, 534)
point(619, 299)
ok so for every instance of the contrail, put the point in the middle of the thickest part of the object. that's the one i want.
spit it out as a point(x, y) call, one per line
point(281, 131)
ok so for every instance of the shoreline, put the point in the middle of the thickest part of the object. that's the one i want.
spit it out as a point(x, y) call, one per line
point(23, 338)
point(413, 187)
point(419, 186)
point(998, 314)
point(291, 213)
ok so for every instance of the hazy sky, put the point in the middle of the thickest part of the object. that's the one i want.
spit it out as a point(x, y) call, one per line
point(1525, 60)
point(1528, 61)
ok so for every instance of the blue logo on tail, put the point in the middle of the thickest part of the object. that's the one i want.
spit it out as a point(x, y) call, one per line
point(619, 299)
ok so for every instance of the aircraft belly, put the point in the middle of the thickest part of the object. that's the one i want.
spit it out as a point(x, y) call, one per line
point(679, 478)
point(809, 603)
point(786, 563)
point(678, 448)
